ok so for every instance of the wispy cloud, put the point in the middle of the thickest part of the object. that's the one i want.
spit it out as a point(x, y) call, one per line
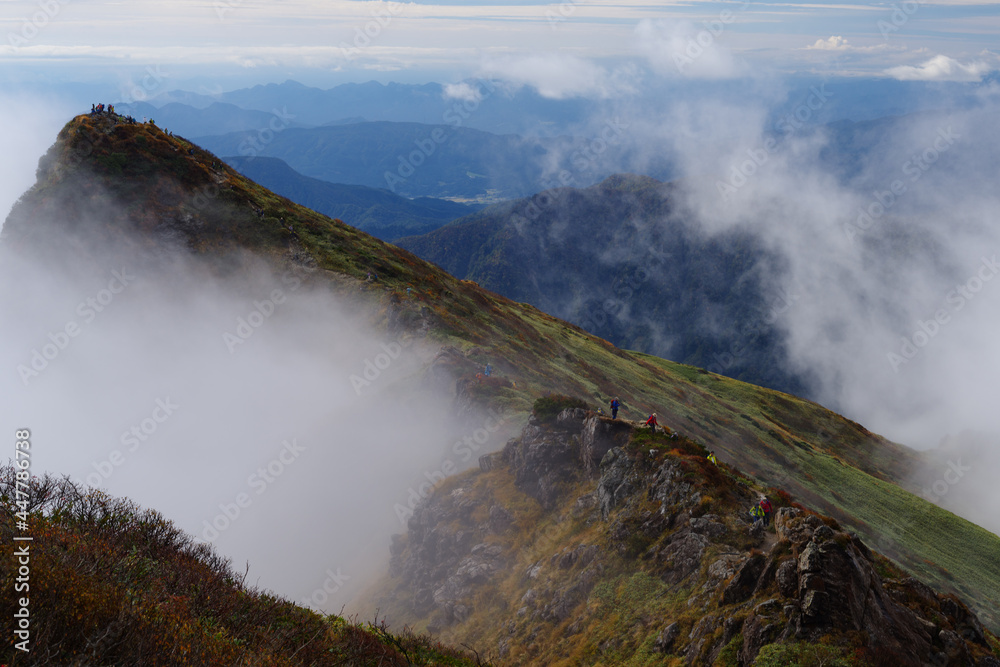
point(683, 48)
point(940, 68)
point(560, 75)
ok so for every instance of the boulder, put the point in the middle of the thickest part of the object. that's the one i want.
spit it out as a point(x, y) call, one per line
point(599, 435)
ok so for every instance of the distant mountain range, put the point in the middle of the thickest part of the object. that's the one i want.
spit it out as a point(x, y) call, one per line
point(217, 118)
point(506, 108)
point(584, 538)
point(411, 159)
point(380, 213)
point(619, 261)
point(484, 105)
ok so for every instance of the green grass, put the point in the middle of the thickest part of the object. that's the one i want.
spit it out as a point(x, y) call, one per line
point(818, 456)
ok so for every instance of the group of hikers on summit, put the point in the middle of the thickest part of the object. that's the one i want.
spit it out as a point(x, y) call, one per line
point(101, 108)
point(759, 513)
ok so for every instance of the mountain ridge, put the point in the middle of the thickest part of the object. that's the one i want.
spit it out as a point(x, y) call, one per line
point(381, 213)
point(618, 546)
point(171, 194)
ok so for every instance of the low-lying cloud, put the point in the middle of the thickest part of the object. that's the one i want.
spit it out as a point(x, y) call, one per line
point(941, 68)
point(260, 412)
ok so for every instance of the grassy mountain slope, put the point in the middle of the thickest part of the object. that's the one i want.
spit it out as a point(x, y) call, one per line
point(649, 561)
point(619, 260)
point(111, 583)
point(173, 192)
point(377, 212)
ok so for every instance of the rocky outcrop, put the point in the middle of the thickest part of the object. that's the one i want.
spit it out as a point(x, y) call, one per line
point(598, 437)
point(545, 459)
point(618, 480)
point(833, 586)
point(660, 515)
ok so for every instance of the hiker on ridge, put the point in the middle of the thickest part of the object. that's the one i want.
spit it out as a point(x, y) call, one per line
point(765, 506)
point(651, 423)
point(615, 404)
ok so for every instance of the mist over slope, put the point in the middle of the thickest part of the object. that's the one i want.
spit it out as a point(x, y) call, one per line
point(619, 260)
point(160, 360)
point(589, 540)
point(223, 256)
point(880, 242)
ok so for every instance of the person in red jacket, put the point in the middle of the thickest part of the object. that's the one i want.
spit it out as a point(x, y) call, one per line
point(765, 505)
point(651, 423)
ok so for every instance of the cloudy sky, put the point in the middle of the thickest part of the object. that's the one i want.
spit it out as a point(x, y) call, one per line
point(599, 44)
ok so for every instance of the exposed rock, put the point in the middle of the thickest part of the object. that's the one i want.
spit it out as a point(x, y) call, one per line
point(787, 577)
point(543, 461)
point(699, 636)
point(582, 554)
point(816, 581)
point(500, 519)
point(670, 489)
point(682, 556)
point(767, 577)
point(584, 505)
point(666, 638)
point(488, 462)
point(618, 480)
point(707, 525)
point(600, 435)
point(744, 581)
point(571, 419)
point(758, 631)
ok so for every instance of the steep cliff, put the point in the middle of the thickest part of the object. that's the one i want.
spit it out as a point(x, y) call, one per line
point(648, 558)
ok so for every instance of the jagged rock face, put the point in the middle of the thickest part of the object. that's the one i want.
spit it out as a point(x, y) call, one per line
point(618, 480)
point(812, 582)
point(600, 435)
point(833, 585)
point(546, 459)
